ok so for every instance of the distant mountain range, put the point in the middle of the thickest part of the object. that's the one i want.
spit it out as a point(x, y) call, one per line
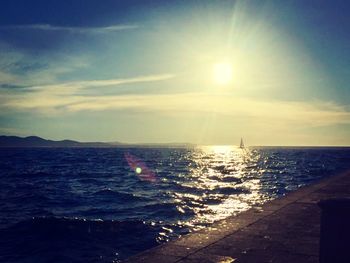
point(35, 141)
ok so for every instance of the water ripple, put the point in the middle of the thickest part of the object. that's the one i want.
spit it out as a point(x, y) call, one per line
point(190, 189)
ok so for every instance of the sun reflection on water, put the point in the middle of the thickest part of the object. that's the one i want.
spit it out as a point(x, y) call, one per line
point(219, 185)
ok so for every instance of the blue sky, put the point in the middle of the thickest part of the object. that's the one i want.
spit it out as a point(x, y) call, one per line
point(141, 71)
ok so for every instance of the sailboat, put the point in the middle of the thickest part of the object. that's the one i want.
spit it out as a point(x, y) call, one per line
point(241, 145)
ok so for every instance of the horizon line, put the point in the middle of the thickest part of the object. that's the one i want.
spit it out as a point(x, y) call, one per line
point(118, 143)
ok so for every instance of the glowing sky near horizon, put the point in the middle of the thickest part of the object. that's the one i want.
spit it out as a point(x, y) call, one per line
point(207, 72)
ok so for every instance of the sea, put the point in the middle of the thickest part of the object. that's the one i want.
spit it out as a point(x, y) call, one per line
point(107, 204)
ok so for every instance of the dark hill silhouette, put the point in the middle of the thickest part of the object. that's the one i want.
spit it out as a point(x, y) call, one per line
point(35, 141)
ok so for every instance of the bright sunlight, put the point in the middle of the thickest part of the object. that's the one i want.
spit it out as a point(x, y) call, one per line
point(222, 73)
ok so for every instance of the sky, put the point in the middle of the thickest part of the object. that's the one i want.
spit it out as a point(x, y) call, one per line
point(144, 71)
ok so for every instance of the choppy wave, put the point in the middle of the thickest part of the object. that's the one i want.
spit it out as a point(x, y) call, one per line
point(54, 239)
point(94, 205)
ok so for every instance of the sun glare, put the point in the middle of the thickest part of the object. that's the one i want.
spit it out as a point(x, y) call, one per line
point(222, 73)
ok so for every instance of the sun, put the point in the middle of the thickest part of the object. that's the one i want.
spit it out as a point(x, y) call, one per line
point(222, 73)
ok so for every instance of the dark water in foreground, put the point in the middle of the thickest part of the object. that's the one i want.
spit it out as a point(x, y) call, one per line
point(103, 205)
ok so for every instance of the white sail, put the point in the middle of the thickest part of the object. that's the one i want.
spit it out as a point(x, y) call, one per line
point(241, 144)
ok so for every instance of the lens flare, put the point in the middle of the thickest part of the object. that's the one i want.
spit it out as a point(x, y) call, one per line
point(140, 168)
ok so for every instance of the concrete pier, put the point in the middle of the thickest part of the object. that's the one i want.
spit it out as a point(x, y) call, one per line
point(284, 230)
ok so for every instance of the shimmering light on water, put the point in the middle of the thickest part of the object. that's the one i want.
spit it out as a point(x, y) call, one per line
point(124, 201)
point(222, 173)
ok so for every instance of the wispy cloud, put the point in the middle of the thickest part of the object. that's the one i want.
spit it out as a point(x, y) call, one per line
point(18, 68)
point(50, 97)
point(292, 113)
point(76, 85)
point(63, 98)
point(71, 29)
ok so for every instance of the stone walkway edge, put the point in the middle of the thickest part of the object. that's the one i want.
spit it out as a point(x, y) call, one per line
point(285, 229)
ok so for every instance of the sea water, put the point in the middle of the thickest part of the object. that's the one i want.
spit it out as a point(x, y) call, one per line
point(106, 204)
